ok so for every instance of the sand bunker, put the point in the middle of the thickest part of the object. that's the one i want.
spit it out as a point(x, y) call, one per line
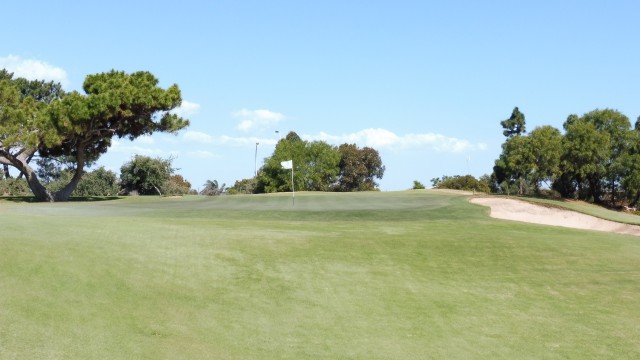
point(511, 209)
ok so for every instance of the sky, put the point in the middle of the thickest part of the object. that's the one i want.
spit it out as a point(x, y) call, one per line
point(426, 83)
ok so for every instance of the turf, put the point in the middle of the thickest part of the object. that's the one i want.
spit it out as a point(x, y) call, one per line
point(399, 275)
point(589, 209)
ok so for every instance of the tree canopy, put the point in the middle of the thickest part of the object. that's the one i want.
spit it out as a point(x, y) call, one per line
point(595, 159)
point(515, 124)
point(145, 175)
point(38, 117)
point(319, 166)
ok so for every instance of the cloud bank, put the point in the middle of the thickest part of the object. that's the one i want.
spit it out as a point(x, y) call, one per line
point(382, 138)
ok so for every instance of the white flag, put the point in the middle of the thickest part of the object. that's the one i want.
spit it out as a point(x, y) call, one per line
point(287, 164)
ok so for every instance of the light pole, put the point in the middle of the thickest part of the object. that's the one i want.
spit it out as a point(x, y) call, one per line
point(255, 160)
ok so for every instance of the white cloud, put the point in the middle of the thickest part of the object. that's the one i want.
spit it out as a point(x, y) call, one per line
point(202, 154)
point(198, 136)
point(256, 119)
point(243, 141)
point(186, 108)
point(34, 69)
point(382, 138)
point(121, 147)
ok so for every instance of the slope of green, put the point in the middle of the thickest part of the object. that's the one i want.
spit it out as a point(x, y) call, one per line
point(400, 275)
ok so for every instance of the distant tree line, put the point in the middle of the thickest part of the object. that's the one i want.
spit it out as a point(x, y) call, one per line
point(596, 158)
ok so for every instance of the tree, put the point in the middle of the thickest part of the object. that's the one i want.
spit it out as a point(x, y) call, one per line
point(417, 185)
point(630, 161)
point(515, 124)
point(36, 117)
point(211, 188)
point(585, 150)
point(244, 186)
point(545, 145)
point(272, 177)
point(99, 182)
point(594, 159)
point(359, 168)
point(618, 126)
point(516, 163)
point(315, 166)
point(145, 175)
point(177, 185)
point(466, 182)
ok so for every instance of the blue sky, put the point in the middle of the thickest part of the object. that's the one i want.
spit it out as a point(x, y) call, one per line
point(426, 83)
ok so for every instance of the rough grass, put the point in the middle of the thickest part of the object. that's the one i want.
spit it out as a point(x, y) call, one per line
point(402, 275)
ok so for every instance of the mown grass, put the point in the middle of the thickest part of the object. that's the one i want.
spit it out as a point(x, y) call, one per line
point(401, 275)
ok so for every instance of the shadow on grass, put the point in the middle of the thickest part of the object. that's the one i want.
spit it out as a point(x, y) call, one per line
point(32, 199)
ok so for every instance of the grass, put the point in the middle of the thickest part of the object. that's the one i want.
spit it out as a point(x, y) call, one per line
point(588, 209)
point(400, 275)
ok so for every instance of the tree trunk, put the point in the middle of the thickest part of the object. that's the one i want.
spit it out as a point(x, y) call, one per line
point(64, 193)
point(20, 162)
point(6, 171)
point(40, 192)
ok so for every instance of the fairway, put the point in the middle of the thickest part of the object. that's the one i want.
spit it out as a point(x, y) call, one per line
point(382, 275)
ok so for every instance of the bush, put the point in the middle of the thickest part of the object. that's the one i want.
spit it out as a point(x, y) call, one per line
point(14, 187)
point(244, 186)
point(417, 185)
point(100, 182)
point(457, 182)
point(176, 185)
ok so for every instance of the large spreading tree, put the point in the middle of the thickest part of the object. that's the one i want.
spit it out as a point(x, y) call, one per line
point(39, 118)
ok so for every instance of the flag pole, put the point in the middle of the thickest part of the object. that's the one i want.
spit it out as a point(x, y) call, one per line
point(293, 190)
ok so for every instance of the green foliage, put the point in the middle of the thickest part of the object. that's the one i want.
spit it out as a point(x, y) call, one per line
point(359, 168)
point(145, 175)
point(585, 150)
point(417, 185)
point(516, 163)
point(466, 182)
point(99, 182)
point(594, 160)
point(244, 186)
point(14, 187)
point(315, 166)
point(545, 145)
point(176, 186)
point(515, 124)
point(212, 188)
point(36, 116)
point(319, 166)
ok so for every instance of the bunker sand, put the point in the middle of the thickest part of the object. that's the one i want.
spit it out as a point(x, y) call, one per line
point(517, 210)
